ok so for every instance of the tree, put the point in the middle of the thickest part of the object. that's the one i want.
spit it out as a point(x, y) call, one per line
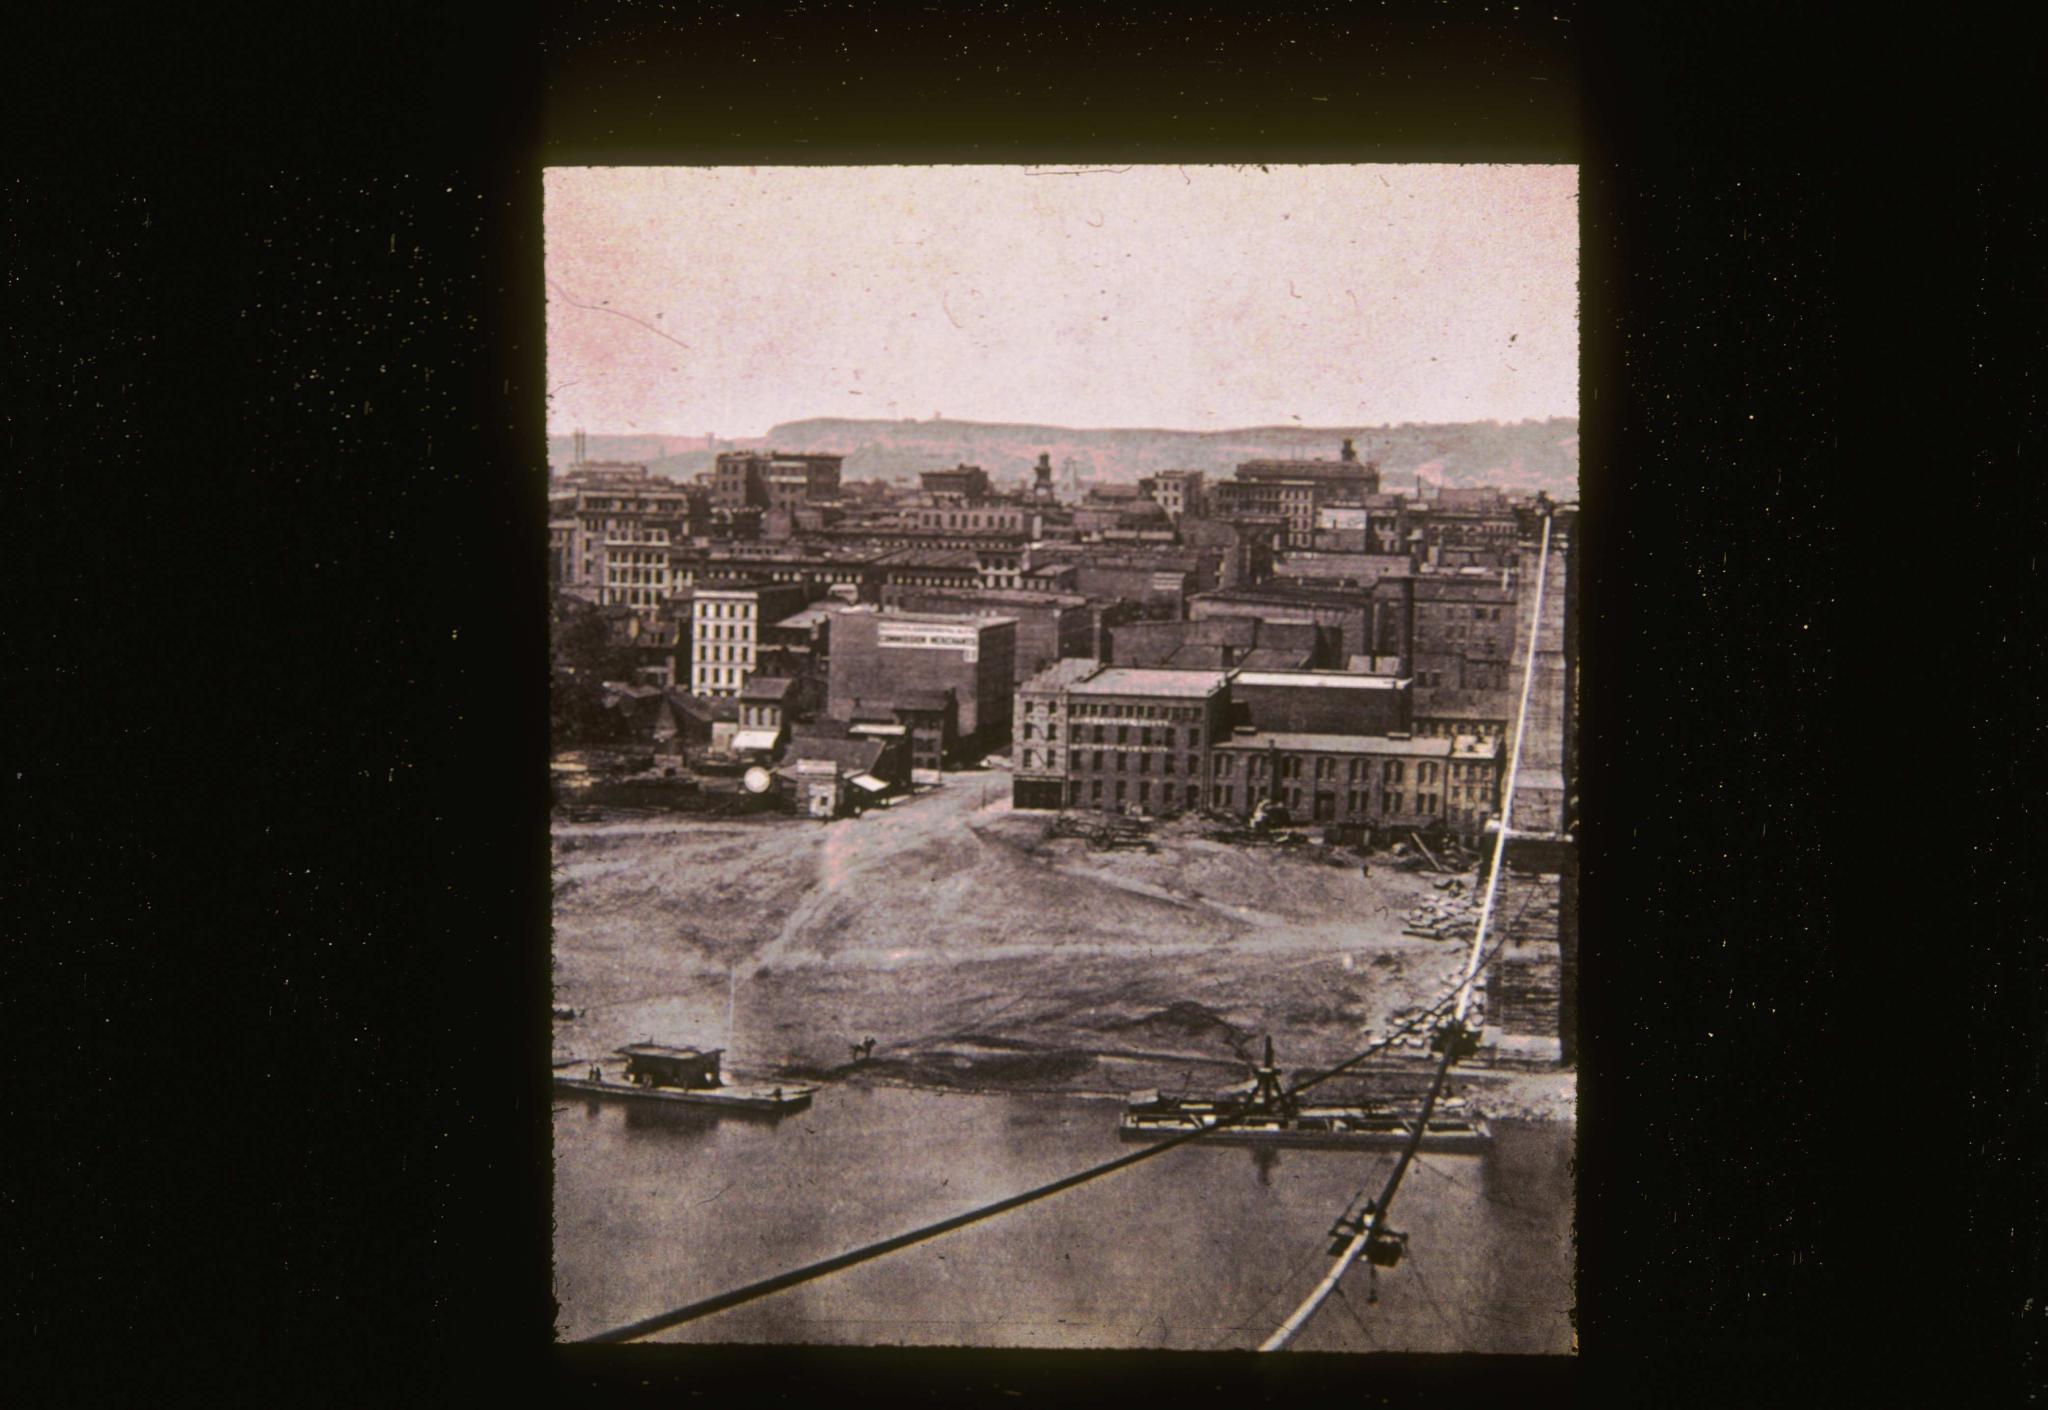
point(584, 656)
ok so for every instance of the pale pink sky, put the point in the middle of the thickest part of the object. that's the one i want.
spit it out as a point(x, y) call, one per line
point(726, 299)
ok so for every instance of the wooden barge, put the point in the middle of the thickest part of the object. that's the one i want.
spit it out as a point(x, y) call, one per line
point(659, 1073)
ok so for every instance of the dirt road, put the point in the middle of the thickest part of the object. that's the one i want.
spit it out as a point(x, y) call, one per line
point(975, 950)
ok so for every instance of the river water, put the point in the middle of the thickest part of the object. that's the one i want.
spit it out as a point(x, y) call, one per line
point(1203, 1247)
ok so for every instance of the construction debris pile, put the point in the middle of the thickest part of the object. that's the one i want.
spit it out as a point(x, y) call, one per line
point(1447, 854)
point(1451, 914)
point(1257, 836)
point(1106, 832)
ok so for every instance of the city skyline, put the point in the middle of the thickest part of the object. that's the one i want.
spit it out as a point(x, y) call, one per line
point(1250, 297)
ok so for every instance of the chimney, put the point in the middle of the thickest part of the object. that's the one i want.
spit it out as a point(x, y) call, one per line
point(1350, 455)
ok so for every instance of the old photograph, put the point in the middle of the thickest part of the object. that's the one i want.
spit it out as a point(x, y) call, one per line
point(1063, 697)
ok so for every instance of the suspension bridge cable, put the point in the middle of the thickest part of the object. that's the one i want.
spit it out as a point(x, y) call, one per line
point(738, 1296)
point(724, 1301)
point(1366, 1235)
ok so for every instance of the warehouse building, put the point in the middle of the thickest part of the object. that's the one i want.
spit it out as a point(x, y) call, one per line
point(881, 658)
point(1376, 782)
point(1138, 738)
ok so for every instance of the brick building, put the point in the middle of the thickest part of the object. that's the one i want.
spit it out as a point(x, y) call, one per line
point(1051, 626)
point(927, 721)
point(881, 657)
point(1138, 738)
point(1455, 634)
point(956, 568)
point(1352, 780)
point(1476, 527)
point(1159, 580)
point(1344, 609)
point(1331, 569)
point(1321, 702)
point(765, 480)
point(1219, 643)
point(823, 569)
point(1178, 492)
point(609, 531)
point(962, 482)
point(1244, 547)
point(1295, 490)
point(1041, 728)
point(972, 517)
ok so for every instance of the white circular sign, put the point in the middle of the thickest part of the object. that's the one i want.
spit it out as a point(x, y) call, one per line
point(756, 779)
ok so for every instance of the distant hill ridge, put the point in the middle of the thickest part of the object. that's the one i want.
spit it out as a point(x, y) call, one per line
point(1524, 455)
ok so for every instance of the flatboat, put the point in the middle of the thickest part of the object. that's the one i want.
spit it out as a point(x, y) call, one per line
point(657, 1072)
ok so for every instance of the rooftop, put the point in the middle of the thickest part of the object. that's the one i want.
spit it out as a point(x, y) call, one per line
point(930, 558)
point(773, 688)
point(893, 616)
point(1022, 597)
point(1151, 680)
point(665, 1050)
point(1338, 743)
point(1333, 680)
point(733, 585)
point(1287, 596)
point(855, 755)
point(1062, 673)
point(810, 617)
point(1274, 658)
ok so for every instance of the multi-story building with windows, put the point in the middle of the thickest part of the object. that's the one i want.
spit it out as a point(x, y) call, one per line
point(1344, 609)
point(1295, 490)
point(1043, 735)
point(1051, 626)
point(773, 480)
point(884, 659)
point(1178, 492)
point(1138, 738)
point(1348, 780)
point(962, 482)
point(726, 617)
point(610, 527)
point(1454, 632)
point(823, 569)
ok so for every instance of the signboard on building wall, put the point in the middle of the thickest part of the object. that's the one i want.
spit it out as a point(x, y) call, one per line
point(927, 636)
point(1168, 582)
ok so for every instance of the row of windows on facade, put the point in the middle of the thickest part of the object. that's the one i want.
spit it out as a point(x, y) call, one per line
point(1427, 771)
point(1096, 793)
point(712, 651)
point(725, 609)
point(1119, 763)
point(1135, 712)
point(1478, 676)
point(969, 520)
point(1146, 738)
point(711, 677)
point(1357, 801)
point(727, 631)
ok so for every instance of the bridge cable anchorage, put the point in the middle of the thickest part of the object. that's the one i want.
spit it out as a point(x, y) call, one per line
point(725, 1301)
point(1366, 1236)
